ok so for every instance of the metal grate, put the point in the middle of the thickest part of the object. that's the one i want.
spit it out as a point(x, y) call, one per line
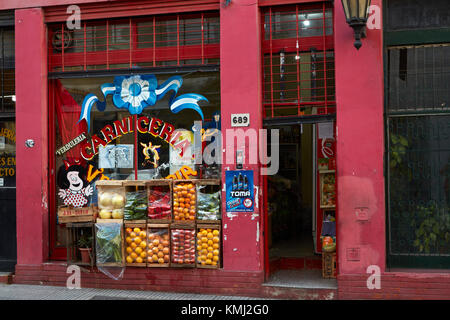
point(298, 61)
point(7, 71)
point(164, 40)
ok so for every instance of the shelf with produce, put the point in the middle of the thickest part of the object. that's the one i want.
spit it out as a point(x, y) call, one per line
point(136, 244)
point(158, 245)
point(182, 239)
point(109, 244)
point(135, 209)
point(111, 199)
point(184, 201)
point(208, 201)
point(159, 193)
point(208, 253)
point(327, 189)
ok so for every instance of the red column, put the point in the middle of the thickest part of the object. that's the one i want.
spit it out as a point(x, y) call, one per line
point(240, 74)
point(360, 147)
point(31, 123)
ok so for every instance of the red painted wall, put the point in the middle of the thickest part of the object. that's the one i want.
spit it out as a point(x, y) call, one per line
point(31, 123)
point(360, 147)
point(240, 74)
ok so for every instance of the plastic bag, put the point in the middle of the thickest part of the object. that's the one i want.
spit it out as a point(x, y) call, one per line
point(136, 205)
point(158, 246)
point(208, 202)
point(183, 246)
point(109, 249)
point(111, 201)
point(159, 203)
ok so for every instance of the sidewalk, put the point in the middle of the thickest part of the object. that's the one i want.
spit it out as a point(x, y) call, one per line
point(35, 292)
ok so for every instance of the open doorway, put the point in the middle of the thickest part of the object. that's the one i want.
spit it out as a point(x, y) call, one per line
point(301, 205)
point(291, 195)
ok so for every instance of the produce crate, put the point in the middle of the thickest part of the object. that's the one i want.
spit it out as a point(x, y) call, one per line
point(135, 209)
point(67, 214)
point(182, 238)
point(111, 199)
point(104, 231)
point(159, 193)
point(328, 265)
point(208, 201)
point(76, 231)
point(209, 249)
point(184, 201)
point(158, 240)
point(135, 244)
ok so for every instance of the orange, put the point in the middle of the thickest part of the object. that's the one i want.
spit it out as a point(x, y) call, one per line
point(155, 258)
point(143, 254)
point(209, 255)
point(149, 260)
point(133, 235)
point(142, 234)
point(139, 260)
point(216, 239)
point(129, 240)
point(133, 255)
point(214, 263)
point(210, 249)
point(161, 260)
point(216, 232)
point(191, 217)
point(150, 252)
point(143, 244)
point(160, 246)
point(208, 261)
point(129, 250)
point(155, 250)
point(209, 235)
point(129, 259)
point(210, 242)
point(204, 239)
point(138, 250)
point(199, 248)
point(160, 254)
point(166, 258)
point(216, 252)
point(133, 245)
point(137, 230)
point(215, 258)
point(129, 230)
point(151, 236)
point(204, 245)
point(216, 246)
point(166, 250)
point(137, 240)
point(156, 242)
point(204, 232)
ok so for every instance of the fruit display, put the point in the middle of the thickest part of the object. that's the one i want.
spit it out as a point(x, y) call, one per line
point(135, 244)
point(111, 202)
point(208, 202)
point(208, 246)
point(327, 190)
point(159, 203)
point(136, 205)
point(183, 246)
point(184, 201)
point(158, 250)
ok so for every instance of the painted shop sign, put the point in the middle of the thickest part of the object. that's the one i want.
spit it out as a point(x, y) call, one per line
point(71, 144)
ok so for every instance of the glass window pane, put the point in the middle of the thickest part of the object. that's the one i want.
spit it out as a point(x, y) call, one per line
point(7, 154)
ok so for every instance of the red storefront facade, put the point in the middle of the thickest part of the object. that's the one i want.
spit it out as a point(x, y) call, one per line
point(360, 147)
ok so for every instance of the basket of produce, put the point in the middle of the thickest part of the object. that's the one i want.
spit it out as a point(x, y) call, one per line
point(208, 246)
point(136, 244)
point(182, 238)
point(135, 209)
point(184, 201)
point(208, 201)
point(111, 199)
point(159, 201)
point(158, 245)
point(109, 244)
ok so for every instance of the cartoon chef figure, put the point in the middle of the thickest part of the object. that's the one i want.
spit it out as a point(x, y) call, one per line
point(74, 189)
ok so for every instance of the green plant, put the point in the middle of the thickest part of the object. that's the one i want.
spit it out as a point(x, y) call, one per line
point(397, 149)
point(433, 231)
point(85, 241)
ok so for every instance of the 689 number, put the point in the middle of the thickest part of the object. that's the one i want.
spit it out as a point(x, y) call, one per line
point(240, 120)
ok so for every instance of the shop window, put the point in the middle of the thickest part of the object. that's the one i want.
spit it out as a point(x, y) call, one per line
point(116, 143)
point(417, 139)
point(298, 61)
point(7, 71)
point(173, 40)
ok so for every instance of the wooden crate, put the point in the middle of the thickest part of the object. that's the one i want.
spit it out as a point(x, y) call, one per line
point(132, 186)
point(208, 182)
point(209, 228)
point(160, 232)
point(112, 264)
point(166, 183)
point(129, 229)
point(329, 265)
point(179, 209)
point(113, 188)
point(73, 234)
point(68, 214)
point(177, 258)
point(327, 191)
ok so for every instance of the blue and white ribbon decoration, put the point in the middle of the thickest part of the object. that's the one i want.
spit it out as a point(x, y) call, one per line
point(138, 92)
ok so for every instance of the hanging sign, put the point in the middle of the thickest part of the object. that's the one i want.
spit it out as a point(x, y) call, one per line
point(70, 144)
point(239, 191)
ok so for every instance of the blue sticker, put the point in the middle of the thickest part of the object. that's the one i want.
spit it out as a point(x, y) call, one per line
point(239, 191)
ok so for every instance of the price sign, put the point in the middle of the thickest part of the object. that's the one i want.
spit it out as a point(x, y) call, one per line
point(240, 119)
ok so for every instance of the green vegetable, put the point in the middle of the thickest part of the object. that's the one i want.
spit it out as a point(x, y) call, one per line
point(136, 205)
point(109, 242)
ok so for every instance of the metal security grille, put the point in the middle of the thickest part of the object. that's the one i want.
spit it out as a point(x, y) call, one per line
point(153, 41)
point(298, 61)
point(7, 71)
point(418, 118)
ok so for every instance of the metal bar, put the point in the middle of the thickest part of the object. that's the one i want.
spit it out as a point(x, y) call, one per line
point(131, 43)
point(299, 120)
point(203, 44)
point(150, 70)
point(271, 67)
point(107, 44)
point(178, 39)
point(85, 48)
point(62, 45)
point(297, 59)
point(154, 41)
point(324, 58)
point(3, 71)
